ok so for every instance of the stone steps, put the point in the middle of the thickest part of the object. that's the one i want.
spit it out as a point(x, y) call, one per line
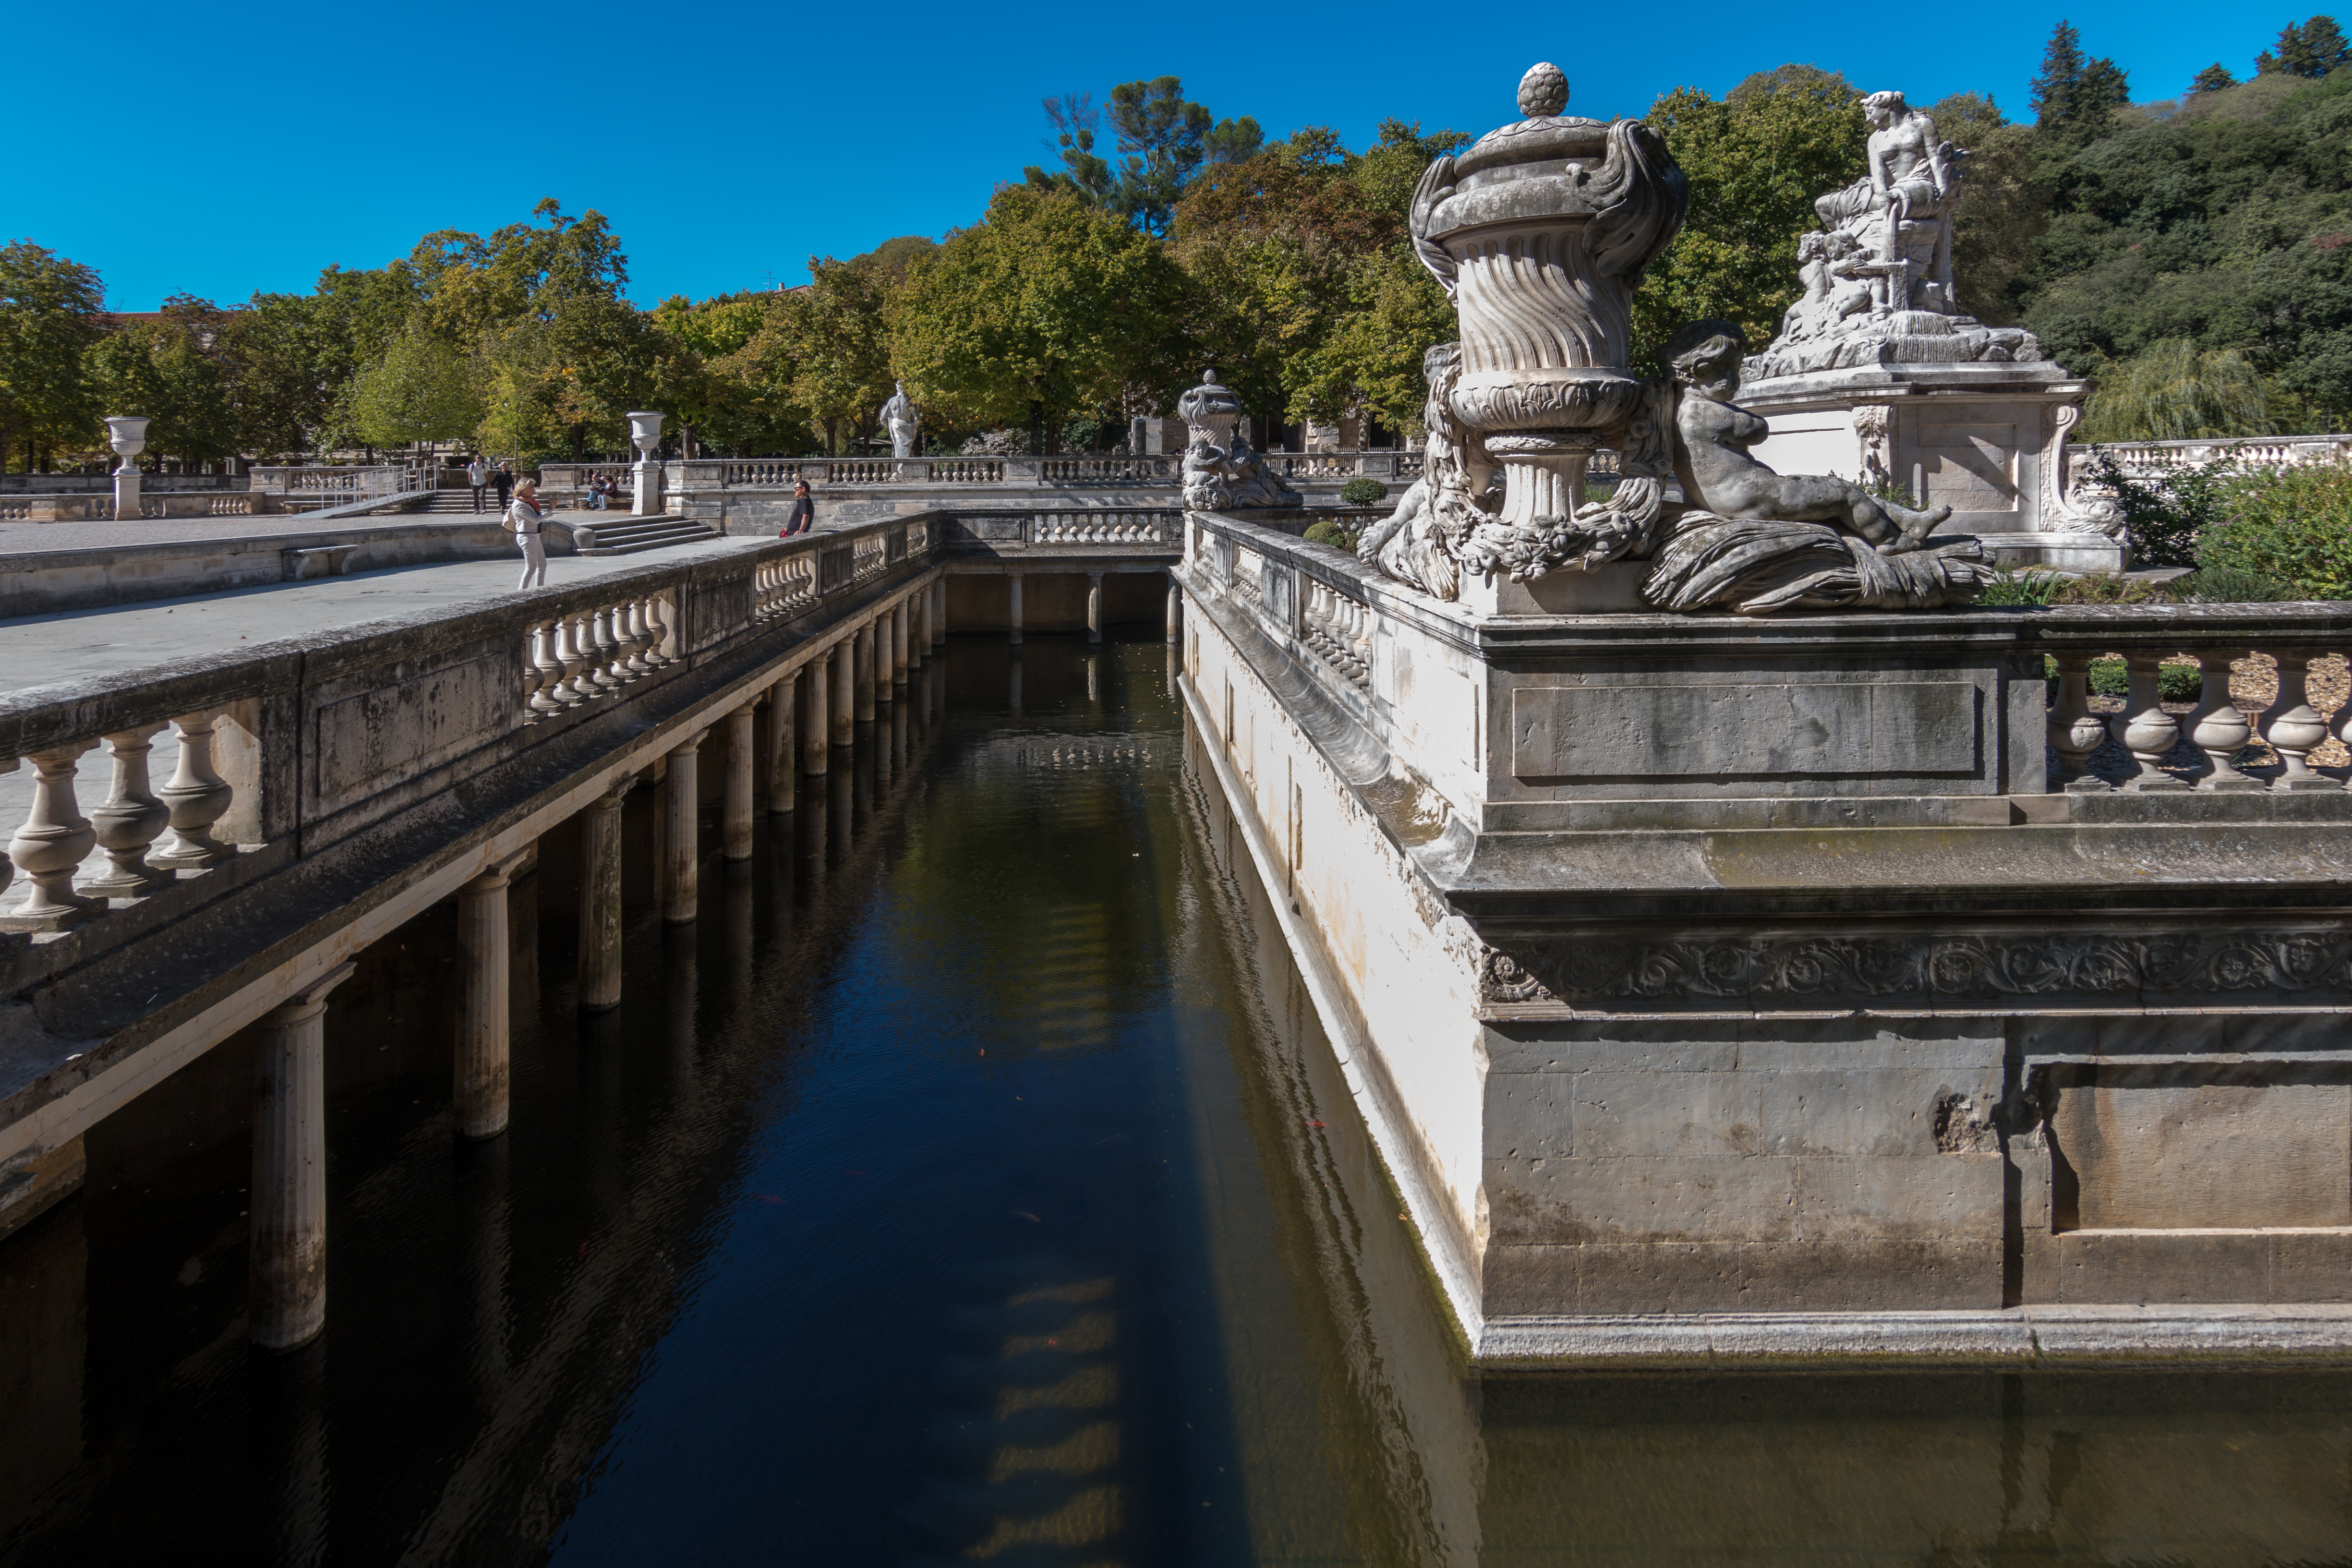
point(627, 535)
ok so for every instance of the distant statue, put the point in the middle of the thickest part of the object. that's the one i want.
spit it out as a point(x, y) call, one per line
point(1220, 469)
point(1878, 274)
point(899, 418)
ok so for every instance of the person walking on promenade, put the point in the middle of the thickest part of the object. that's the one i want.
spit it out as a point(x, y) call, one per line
point(803, 517)
point(503, 481)
point(478, 474)
point(523, 520)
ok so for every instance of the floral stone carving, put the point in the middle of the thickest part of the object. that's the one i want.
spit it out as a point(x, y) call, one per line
point(1879, 273)
point(1220, 470)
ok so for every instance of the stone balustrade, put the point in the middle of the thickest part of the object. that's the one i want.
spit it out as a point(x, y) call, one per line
point(2207, 748)
point(2155, 460)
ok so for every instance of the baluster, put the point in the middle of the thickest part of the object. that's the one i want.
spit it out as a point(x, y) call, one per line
point(2344, 715)
point(641, 639)
point(197, 796)
point(131, 818)
point(2294, 727)
point(2144, 728)
point(603, 649)
point(548, 669)
point(664, 617)
point(50, 846)
point(2218, 729)
point(625, 663)
point(569, 691)
point(2074, 730)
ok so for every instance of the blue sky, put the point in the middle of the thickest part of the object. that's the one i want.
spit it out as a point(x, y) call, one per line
point(218, 150)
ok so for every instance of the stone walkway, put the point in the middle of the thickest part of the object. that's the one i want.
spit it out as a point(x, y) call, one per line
point(36, 650)
point(44, 538)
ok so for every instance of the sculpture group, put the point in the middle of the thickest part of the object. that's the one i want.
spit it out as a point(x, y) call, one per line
point(1538, 232)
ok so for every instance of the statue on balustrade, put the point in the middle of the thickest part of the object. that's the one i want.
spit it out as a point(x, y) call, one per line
point(1878, 272)
point(1220, 470)
point(1538, 232)
point(899, 418)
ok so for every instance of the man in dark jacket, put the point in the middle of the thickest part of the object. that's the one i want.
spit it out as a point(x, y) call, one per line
point(503, 481)
point(803, 517)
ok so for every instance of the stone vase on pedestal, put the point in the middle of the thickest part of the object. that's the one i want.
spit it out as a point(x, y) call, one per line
point(127, 434)
point(644, 429)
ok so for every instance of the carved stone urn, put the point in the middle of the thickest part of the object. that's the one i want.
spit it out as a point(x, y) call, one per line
point(1539, 231)
point(127, 434)
point(644, 429)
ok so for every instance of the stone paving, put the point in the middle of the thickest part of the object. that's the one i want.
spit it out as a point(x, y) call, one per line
point(36, 650)
point(44, 538)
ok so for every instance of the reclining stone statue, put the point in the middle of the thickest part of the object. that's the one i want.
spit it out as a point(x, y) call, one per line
point(1756, 540)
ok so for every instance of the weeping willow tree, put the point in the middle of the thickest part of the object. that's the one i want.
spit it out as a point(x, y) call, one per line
point(2169, 392)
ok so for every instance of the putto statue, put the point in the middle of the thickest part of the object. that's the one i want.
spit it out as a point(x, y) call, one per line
point(1220, 471)
point(899, 418)
point(1539, 233)
point(1758, 542)
point(1878, 275)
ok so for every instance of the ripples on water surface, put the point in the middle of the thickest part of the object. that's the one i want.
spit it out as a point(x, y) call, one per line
point(971, 1184)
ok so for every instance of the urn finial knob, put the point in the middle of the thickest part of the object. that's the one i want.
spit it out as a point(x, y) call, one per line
point(1543, 91)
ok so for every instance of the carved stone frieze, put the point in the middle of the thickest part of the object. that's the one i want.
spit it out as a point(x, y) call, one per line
point(1792, 971)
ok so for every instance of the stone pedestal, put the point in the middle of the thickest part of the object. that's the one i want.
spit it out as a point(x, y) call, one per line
point(649, 503)
point(128, 507)
point(1986, 440)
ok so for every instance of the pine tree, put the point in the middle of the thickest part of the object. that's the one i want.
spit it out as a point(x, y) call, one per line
point(2061, 70)
point(2312, 49)
point(2212, 78)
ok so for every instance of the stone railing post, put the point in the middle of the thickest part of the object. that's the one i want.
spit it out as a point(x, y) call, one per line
point(50, 846)
point(198, 797)
point(2074, 730)
point(130, 819)
point(2144, 728)
point(2294, 727)
point(286, 1288)
point(2218, 729)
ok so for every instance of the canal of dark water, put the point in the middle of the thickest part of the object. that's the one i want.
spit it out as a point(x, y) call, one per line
point(971, 1184)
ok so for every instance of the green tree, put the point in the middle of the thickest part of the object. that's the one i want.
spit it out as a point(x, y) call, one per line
point(2311, 49)
point(166, 370)
point(1041, 309)
point(1164, 142)
point(2170, 391)
point(1755, 160)
point(2002, 208)
point(2212, 78)
point(2295, 524)
point(421, 390)
point(2074, 97)
point(52, 313)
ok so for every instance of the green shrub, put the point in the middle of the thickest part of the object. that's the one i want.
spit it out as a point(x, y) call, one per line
point(1363, 491)
point(2294, 525)
point(2108, 677)
point(2168, 517)
point(2022, 588)
point(2232, 585)
point(1329, 532)
point(2106, 588)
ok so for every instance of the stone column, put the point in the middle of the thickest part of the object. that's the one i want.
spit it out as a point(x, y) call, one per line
point(287, 1272)
point(864, 659)
point(845, 692)
point(1013, 604)
point(783, 768)
point(644, 429)
point(918, 636)
point(478, 1086)
point(599, 898)
point(1094, 607)
point(679, 808)
point(884, 691)
point(735, 831)
point(940, 611)
point(898, 616)
point(1175, 610)
point(815, 727)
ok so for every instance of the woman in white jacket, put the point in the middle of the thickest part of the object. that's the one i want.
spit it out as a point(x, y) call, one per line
point(523, 520)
